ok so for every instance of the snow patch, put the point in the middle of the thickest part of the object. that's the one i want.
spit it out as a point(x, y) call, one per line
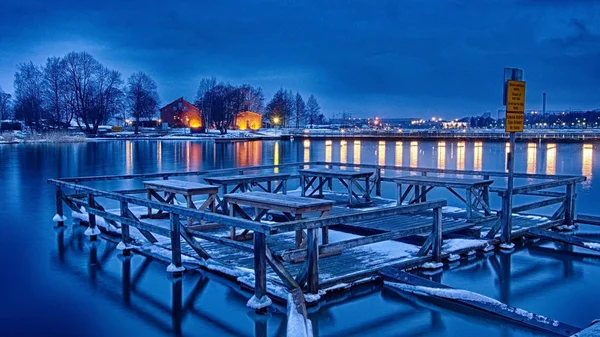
point(432, 265)
point(509, 245)
point(453, 257)
point(489, 248)
point(297, 325)
point(90, 231)
point(259, 303)
point(592, 245)
point(471, 252)
point(174, 269)
point(123, 246)
point(312, 297)
point(465, 295)
point(453, 245)
point(59, 218)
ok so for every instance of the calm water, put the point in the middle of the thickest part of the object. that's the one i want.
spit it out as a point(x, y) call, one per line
point(56, 283)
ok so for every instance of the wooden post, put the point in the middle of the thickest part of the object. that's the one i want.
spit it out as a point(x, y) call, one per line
point(125, 239)
point(486, 196)
point(260, 266)
point(423, 188)
point(302, 187)
point(92, 218)
point(469, 203)
point(330, 184)
point(399, 196)
point(350, 191)
point(437, 234)
point(321, 186)
point(417, 192)
point(175, 245)
point(368, 189)
point(377, 182)
point(570, 205)
point(505, 218)
point(59, 207)
point(313, 261)
point(149, 196)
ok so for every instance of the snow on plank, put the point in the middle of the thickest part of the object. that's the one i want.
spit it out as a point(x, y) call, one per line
point(397, 279)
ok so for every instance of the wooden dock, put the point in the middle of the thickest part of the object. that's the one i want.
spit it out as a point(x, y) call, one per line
point(319, 254)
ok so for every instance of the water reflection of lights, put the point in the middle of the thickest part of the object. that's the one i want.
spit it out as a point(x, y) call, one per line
point(159, 155)
point(551, 159)
point(531, 157)
point(129, 157)
point(399, 153)
point(460, 156)
point(306, 152)
point(586, 164)
point(414, 154)
point(441, 157)
point(276, 157)
point(343, 151)
point(478, 156)
point(381, 153)
point(356, 151)
point(506, 152)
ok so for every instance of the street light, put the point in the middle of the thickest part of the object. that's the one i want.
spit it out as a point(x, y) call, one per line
point(275, 120)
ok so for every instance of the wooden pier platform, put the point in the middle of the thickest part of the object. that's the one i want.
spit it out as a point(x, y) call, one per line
point(318, 254)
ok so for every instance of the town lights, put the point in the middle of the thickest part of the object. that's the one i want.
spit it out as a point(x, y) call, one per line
point(275, 120)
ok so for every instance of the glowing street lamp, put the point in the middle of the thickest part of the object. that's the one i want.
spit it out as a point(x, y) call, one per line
point(275, 120)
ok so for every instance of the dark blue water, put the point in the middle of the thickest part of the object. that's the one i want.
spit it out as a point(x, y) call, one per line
point(56, 283)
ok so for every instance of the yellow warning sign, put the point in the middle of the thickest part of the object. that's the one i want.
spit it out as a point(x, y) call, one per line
point(515, 121)
point(515, 96)
point(515, 106)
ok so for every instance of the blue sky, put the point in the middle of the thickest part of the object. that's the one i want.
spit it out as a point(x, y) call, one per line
point(386, 58)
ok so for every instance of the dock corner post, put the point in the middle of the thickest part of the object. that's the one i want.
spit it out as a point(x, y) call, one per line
point(508, 195)
point(92, 230)
point(377, 182)
point(505, 217)
point(59, 218)
point(312, 247)
point(125, 244)
point(176, 268)
point(437, 234)
point(260, 299)
point(570, 205)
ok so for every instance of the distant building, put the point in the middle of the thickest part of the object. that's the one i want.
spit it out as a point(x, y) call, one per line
point(248, 120)
point(181, 114)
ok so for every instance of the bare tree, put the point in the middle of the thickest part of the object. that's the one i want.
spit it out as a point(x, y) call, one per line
point(206, 85)
point(299, 110)
point(142, 97)
point(5, 105)
point(94, 92)
point(55, 91)
point(313, 111)
point(281, 107)
point(28, 94)
point(253, 98)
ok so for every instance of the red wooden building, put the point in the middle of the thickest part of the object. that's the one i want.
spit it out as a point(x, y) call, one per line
point(181, 114)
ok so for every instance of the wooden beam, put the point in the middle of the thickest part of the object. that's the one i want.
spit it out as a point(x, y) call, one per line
point(220, 240)
point(182, 211)
point(487, 304)
point(175, 240)
point(280, 270)
point(538, 204)
point(313, 261)
point(437, 234)
point(196, 246)
point(296, 254)
point(565, 238)
point(588, 219)
point(260, 265)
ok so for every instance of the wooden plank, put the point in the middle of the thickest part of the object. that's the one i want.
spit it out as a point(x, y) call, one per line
point(335, 173)
point(565, 238)
point(588, 219)
point(478, 301)
point(349, 218)
point(279, 200)
point(246, 178)
point(437, 234)
point(570, 205)
point(546, 185)
point(175, 241)
point(181, 187)
point(443, 182)
point(538, 204)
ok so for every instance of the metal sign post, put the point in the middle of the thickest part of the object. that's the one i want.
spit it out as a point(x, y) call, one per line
point(514, 99)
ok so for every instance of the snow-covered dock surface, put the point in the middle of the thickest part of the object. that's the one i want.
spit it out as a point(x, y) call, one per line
point(409, 283)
